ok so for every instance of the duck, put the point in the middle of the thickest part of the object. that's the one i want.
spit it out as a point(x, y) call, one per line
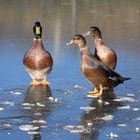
point(38, 62)
point(102, 52)
point(97, 73)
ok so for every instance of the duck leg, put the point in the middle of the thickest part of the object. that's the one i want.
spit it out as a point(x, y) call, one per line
point(44, 82)
point(97, 93)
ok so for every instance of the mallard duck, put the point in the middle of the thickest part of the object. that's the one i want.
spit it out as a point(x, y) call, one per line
point(100, 75)
point(37, 61)
point(102, 52)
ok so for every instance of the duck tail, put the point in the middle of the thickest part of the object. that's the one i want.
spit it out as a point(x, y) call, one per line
point(124, 79)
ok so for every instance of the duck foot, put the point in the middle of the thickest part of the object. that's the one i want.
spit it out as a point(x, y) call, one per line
point(34, 83)
point(44, 83)
point(95, 93)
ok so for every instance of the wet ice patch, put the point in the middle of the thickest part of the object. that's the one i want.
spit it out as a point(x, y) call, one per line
point(27, 107)
point(112, 135)
point(28, 127)
point(40, 104)
point(131, 95)
point(77, 86)
point(87, 108)
point(124, 107)
point(8, 103)
point(137, 119)
point(7, 124)
point(122, 125)
point(136, 109)
point(92, 96)
point(107, 117)
point(37, 114)
point(28, 104)
point(33, 132)
point(54, 100)
point(137, 129)
point(39, 121)
point(17, 93)
point(77, 129)
point(125, 99)
point(1, 109)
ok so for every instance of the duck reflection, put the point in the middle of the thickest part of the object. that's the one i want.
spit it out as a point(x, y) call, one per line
point(37, 106)
point(91, 120)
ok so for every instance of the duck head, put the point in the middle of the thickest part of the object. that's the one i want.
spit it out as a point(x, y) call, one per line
point(37, 30)
point(78, 40)
point(95, 32)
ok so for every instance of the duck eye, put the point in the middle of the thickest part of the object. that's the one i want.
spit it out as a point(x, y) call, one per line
point(76, 38)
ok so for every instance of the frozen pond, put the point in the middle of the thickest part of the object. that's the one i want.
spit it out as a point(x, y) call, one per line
point(63, 111)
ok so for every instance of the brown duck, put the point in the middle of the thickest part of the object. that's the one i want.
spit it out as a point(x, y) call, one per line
point(96, 72)
point(37, 61)
point(102, 52)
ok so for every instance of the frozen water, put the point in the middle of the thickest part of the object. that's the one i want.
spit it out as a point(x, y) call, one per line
point(112, 135)
point(107, 117)
point(28, 127)
point(124, 107)
point(77, 129)
point(87, 108)
point(1, 109)
point(122, 125)
point(125, 99)
point(17, 93)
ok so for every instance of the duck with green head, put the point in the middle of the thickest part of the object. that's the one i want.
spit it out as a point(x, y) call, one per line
point(37, 61)
point(97, 73)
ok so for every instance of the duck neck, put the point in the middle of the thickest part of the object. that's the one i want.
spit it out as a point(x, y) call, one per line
point(84, 50)
point(98, 36)
point(82, 45)
point(37, 43)
point(98, 41)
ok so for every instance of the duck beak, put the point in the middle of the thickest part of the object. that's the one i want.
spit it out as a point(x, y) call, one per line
point(70, 43)
point(86, 34)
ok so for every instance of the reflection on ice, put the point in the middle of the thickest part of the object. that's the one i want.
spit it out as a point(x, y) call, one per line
point(107, 117)
point(112, 135)
point(77, 129)
point(124, 107)
point(125, 99)
point(37, 105)
point(122, 125)
point(87, 108)
point(1, 109)
point(28, 127)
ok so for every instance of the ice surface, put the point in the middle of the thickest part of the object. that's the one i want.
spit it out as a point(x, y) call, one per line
point(76, 129)
point(1, 109)
point(125, 99)
point(17, 93)
point(136, 109)
point(8, 103)
point(77, 86)
point(122, 125)
point(28, 104)
point(124, 107)
point(87, 108)
point(40, 104)
point(112, 135)
point(107, 117)
point(39, 121)
point(28, 127)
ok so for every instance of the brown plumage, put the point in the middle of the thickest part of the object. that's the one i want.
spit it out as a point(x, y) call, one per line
point(102, 52)
point(37, 61)
point(100, 75)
